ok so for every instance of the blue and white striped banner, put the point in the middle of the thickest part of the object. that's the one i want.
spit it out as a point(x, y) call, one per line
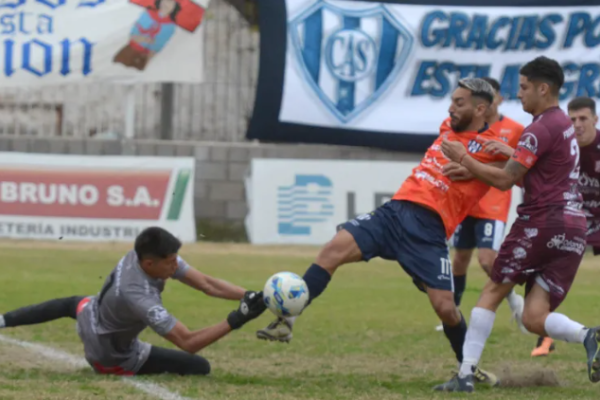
point(382, 73)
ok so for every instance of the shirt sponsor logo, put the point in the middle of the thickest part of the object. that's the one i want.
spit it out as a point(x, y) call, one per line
point(435, 182)
point(530, 142)
point(157, 314)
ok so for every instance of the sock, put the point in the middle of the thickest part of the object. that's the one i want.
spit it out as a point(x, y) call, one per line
point(460, 283)
point(2, 323)
point(560, 327)
point(480, 327)
point(513, 300)
point(456, 336)
point(290, 320)
point(43, 312)
point(316, 279)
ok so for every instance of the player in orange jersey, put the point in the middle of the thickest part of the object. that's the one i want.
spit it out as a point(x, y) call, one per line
point(414, 226)
point(484, 226)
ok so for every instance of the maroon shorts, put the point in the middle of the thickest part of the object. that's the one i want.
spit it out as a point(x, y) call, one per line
point(552, 254)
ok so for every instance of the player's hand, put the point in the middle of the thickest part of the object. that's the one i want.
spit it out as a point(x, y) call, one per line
point(457, 172)
point(453, 150)
point(251, 307)
point(496, 147)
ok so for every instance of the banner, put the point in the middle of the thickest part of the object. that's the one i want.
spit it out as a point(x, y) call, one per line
point(95, 198)
point(382, 73)
point(303, 201)
point(56, 41)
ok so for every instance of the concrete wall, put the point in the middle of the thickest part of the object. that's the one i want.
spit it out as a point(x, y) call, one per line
point(220, 167)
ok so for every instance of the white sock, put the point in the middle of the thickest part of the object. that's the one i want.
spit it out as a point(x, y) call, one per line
point(513, 300)
point(290, 320)
point(560, 327)
point(480, 327)
point(2, 323)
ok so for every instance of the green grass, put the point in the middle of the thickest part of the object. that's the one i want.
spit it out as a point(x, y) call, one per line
point(369, 336)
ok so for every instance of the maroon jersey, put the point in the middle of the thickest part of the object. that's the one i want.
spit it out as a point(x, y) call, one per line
point(549, 149)
point(546, 243)
point(589, 186)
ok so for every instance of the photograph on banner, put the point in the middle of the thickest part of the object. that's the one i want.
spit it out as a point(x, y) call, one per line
point(303, 201)
point(389, 68)
point(94, 198)
point(53, 42)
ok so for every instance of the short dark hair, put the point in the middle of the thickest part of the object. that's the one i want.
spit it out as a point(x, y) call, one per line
point(156, 242)
point(478, 88)
point(546, 70)
point(495, 84)
point(579, 103)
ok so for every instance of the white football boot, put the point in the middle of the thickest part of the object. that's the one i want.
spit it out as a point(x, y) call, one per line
point(278, 330)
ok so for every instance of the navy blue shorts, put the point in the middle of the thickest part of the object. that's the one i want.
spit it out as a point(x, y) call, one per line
point(478, 233)
point(412, 235)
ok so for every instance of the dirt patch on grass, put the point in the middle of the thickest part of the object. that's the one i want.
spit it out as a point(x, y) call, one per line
point(512, 378)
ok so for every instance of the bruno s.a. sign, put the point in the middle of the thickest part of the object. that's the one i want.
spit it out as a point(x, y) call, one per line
point(381, 73)
point(94, 198)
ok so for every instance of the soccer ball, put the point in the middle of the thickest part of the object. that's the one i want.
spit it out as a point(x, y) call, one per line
point(285, 294)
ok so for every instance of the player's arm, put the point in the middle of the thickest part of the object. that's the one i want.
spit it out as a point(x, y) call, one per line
point(212, 286)
point(500, 178)
point(205, 283)
point(457, 172)
point(251, 307)
point(194, 341)
point(149, 309)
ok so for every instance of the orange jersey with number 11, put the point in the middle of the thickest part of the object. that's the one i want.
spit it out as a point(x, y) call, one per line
point(429, 187)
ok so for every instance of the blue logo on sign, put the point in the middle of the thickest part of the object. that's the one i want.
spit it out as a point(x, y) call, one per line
point(306, 202)
point(349, 57)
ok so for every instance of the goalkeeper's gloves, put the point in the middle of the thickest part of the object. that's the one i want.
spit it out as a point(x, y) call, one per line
point(251, 307)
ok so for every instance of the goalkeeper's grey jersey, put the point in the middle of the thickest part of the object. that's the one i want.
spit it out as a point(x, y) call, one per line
point(129, 302)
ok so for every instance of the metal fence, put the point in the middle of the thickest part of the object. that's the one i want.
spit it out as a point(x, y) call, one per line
point(217, 110)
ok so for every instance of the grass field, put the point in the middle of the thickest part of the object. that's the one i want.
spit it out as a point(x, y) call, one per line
point(369, 336)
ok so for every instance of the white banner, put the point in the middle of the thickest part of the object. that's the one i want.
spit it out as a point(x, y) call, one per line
point(58, 41)
point(95, 198)
point(391, 67)
point(302, 201)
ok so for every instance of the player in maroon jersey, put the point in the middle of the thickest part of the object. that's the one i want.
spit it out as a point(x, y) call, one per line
point(582, 112)
point(546, 243)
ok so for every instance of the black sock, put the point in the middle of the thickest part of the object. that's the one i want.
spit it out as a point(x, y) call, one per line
point(316, 279)
point(43, 312)
point(456, 335)
point(460, 283)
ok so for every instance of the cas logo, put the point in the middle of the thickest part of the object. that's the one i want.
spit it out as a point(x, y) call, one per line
point(349, 56)
point(474, 146)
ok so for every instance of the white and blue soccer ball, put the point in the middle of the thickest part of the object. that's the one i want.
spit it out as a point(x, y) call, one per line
point(286, 294)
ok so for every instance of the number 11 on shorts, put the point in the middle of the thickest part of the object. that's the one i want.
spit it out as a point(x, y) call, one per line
point(446, 266)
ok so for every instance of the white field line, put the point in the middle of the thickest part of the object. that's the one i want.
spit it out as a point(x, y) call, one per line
point(58, 355)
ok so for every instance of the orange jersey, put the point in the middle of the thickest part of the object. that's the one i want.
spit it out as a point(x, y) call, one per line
point(496, 203)
point(429, 187)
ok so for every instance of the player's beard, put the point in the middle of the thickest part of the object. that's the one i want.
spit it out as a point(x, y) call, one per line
point(462, 124)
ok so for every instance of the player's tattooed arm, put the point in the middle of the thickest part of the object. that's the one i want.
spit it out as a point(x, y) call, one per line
point(212, 286)
point(500, 178)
